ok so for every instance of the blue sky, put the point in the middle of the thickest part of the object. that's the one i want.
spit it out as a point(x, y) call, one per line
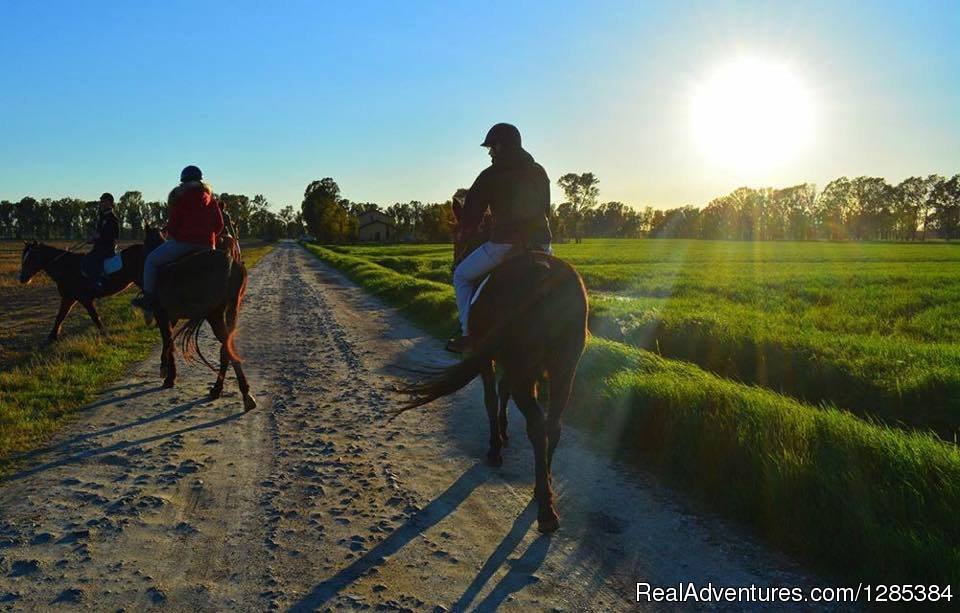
point(392, 98)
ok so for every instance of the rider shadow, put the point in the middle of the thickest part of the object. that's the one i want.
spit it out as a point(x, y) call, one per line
point(441, 506)
point(87, 454)
point(521, 569)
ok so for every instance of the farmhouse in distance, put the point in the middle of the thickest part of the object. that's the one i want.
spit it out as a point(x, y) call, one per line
point(374, 226)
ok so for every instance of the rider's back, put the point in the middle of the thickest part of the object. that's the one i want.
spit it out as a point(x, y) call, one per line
point(194, 214)
point(517, 190)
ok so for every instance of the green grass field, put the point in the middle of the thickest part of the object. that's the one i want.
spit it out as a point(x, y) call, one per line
point(41, 385)
point(868, 327)
point(804, 388)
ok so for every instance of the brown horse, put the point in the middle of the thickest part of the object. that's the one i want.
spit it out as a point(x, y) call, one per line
point(206, 286)
point(64, 268)
point(530, 318)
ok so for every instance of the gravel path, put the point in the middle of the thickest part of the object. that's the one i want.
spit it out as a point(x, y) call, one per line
point(161, 499)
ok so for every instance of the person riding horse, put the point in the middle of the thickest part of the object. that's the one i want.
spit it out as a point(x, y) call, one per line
point(194, 223)
point(104, 242)
point(516, 192)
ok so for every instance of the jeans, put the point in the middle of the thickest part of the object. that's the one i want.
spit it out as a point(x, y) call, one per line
point(482, 260)
point(165, 253)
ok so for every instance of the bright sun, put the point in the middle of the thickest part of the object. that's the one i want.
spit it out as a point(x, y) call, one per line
point(752, 115)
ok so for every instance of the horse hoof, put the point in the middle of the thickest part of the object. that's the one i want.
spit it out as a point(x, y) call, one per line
point(214, 393)
point(167, 385)
point(495, 461)
point(548, 525)
point(249, 402)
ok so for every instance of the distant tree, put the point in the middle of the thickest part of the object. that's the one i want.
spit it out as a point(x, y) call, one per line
point(32, 219)
point(324, 212)
point(945, 197)
point(581, 192)
point(154, 213)
point(130, 209)
point(7, 219)
point(239, 208)
point(833, 209)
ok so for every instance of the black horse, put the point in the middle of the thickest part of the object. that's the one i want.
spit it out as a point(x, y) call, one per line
point(65, 268)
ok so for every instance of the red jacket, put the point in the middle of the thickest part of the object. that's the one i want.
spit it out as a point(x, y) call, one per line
point(194, 215)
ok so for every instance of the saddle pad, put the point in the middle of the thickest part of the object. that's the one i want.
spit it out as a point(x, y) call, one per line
point(112, 264)
point(476, 292)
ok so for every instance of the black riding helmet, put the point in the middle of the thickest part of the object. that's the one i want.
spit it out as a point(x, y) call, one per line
point(190, 173)
point(107, 197)
point(502, 134)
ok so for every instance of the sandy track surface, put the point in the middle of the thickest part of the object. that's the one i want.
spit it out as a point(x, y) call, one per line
point(161, 499)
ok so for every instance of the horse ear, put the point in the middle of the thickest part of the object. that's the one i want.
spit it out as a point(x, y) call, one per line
point(457, 208)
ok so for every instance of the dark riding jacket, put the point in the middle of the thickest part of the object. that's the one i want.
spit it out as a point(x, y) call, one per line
point(516, 190)
point(108, 231)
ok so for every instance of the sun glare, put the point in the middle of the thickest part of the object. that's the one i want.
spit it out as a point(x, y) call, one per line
point(751, 115)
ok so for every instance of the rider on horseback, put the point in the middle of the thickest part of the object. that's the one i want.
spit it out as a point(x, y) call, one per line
point(516, 191)
point(104, 241)
point(194, 223)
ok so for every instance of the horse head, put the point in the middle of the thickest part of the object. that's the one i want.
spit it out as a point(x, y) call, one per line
point(465, 242)
point(152, 238)
point(31, 261)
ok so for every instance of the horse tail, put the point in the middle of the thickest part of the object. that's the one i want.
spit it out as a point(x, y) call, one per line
point(453, 378)
point(188, 336)
point(232, 312)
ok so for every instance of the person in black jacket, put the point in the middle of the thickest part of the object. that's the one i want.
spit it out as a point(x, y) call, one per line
point(516, 191)
point(104, 239)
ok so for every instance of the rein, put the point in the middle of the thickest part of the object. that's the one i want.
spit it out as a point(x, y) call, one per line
point(68, 251)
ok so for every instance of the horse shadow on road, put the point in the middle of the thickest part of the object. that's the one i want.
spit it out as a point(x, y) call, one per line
point(442, 506)
point(73, 450)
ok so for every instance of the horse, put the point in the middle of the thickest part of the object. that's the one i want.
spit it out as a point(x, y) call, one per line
point(64, 267)
point(207, 286)
point(529, 319)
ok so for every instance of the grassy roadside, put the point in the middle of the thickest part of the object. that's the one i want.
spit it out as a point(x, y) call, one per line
point(858, 499)
point(42, 392)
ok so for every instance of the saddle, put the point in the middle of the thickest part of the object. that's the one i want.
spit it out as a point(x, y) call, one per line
point(94, 265)
point(517, 251)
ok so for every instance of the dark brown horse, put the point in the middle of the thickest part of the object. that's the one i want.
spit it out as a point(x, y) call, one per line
point(530, 319)
point(64, 268)
point(207, 286)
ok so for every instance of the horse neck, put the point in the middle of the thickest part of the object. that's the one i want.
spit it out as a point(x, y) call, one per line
point(56, 261)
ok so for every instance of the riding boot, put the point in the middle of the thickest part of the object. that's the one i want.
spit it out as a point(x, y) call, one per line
point(461, 344)
point(144, 301)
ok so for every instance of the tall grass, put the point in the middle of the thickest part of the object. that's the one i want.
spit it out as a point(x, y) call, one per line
point(858, 498)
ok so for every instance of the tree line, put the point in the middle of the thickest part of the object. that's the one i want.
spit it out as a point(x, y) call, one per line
point(862, 208)
point(331, 218)
point(75, 218)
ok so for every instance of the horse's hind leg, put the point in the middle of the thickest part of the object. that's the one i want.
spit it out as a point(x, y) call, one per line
point(217, 388)
point(503, 394)
point(491, 401)
point(561, 383)
point(219, 326)
point(168, 364)
point(525, 397)
point(249, 402)
point(92, 312)
point(66, 305)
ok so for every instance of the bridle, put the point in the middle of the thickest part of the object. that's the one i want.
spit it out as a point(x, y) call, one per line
point(68, 251)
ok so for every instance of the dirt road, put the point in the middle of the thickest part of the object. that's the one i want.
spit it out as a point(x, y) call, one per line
point(158, 498)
